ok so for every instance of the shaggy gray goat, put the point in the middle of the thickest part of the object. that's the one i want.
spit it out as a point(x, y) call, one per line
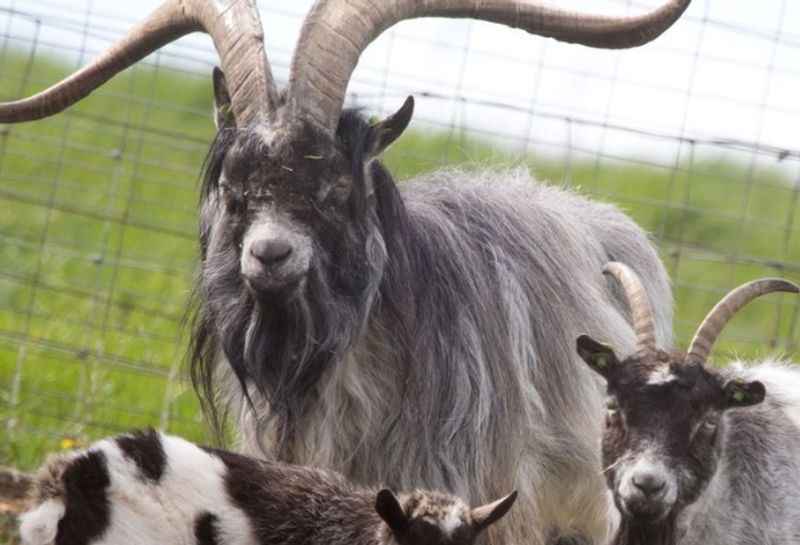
point(695, 455)
point(420, 335)
point(151, 489)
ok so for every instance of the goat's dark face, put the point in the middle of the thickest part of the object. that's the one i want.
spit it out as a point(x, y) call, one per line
point(432, 518)
point(661, 440)
point(284, 212)
point(289, 199)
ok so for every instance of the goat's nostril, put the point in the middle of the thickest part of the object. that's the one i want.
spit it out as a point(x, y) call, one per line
point(649, 483)
point(271, 252)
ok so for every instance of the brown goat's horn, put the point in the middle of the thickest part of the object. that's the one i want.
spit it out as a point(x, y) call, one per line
point(639, 303)
point(715, 321)
point(235, 27)
point(336, 32)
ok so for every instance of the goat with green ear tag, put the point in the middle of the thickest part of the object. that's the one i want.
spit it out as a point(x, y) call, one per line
point(689, 451)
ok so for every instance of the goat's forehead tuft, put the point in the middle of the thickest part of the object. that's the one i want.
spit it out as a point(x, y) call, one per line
point(280, 139)
point(273, 157)
point(655, 369)
point(442, 510)
point(269, 135)
point(661, 374)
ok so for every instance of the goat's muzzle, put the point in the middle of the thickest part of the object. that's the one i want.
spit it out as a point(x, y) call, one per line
point(646, 491)
point(275, 259)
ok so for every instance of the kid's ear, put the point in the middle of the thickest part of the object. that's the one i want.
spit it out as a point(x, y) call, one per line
point(385, 132)
point(739, 393)
point(223, 115)
point(388, 507)
point(598, 356)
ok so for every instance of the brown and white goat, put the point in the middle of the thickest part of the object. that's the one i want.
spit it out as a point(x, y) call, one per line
point(691, 454)
point(148, 488)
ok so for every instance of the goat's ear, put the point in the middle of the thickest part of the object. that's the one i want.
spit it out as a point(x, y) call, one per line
point(739, 393)
point(384, 133)
point(388, 507)
point(223, 115)
point(486, 515)
point(600, 357)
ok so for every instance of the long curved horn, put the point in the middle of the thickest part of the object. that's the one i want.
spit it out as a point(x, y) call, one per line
point(336, 32)
point(718, 317)
point(234, 26)
point(644, 324)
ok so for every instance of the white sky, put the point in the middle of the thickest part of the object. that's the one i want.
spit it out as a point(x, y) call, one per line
point(729, 69)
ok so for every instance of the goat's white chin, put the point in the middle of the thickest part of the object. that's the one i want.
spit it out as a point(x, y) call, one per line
point(285, 287)
point(650, 512)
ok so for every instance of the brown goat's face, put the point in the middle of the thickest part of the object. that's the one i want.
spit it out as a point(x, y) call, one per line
point(661, 439)
point(432, 518)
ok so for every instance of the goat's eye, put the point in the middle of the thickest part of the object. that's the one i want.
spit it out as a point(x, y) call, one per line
point(706, 428)
point(614, 418)
point(341, 188)
point(709, 425)
point(233, 201)
point(338, 190)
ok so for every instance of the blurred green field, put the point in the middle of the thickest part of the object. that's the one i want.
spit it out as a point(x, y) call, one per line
point(97, 248)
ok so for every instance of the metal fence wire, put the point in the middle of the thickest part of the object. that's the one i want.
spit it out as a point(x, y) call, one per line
point(693, 135)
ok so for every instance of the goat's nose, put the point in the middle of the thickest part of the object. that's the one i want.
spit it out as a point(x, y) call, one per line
point(649, 483)
point(270, 252)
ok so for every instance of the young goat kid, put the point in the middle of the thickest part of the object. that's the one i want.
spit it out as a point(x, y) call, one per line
point(150, 489)
point(691, 454)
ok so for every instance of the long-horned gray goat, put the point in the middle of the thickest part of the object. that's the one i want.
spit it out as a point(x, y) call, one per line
point(147, 488)
point(420, 335)
point(691, 454)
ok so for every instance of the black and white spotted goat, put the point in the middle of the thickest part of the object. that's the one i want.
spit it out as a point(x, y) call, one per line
point(691, 454)
point(149, 488)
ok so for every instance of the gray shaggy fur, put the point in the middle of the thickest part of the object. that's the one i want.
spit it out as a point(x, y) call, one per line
point(698, 456)
point(754, 497)
point(455, 367)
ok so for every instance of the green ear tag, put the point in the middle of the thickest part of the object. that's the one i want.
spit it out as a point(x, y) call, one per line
point(738, 396)
point(601, 361)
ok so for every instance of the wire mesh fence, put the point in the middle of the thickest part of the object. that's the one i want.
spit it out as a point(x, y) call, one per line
point(692, 135)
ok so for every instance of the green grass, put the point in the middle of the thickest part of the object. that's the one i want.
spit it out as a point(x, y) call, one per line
point(97, 249)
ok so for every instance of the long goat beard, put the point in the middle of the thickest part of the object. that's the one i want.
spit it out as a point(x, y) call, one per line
point(635, 532)
point(263, 356)
point(280, 349)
